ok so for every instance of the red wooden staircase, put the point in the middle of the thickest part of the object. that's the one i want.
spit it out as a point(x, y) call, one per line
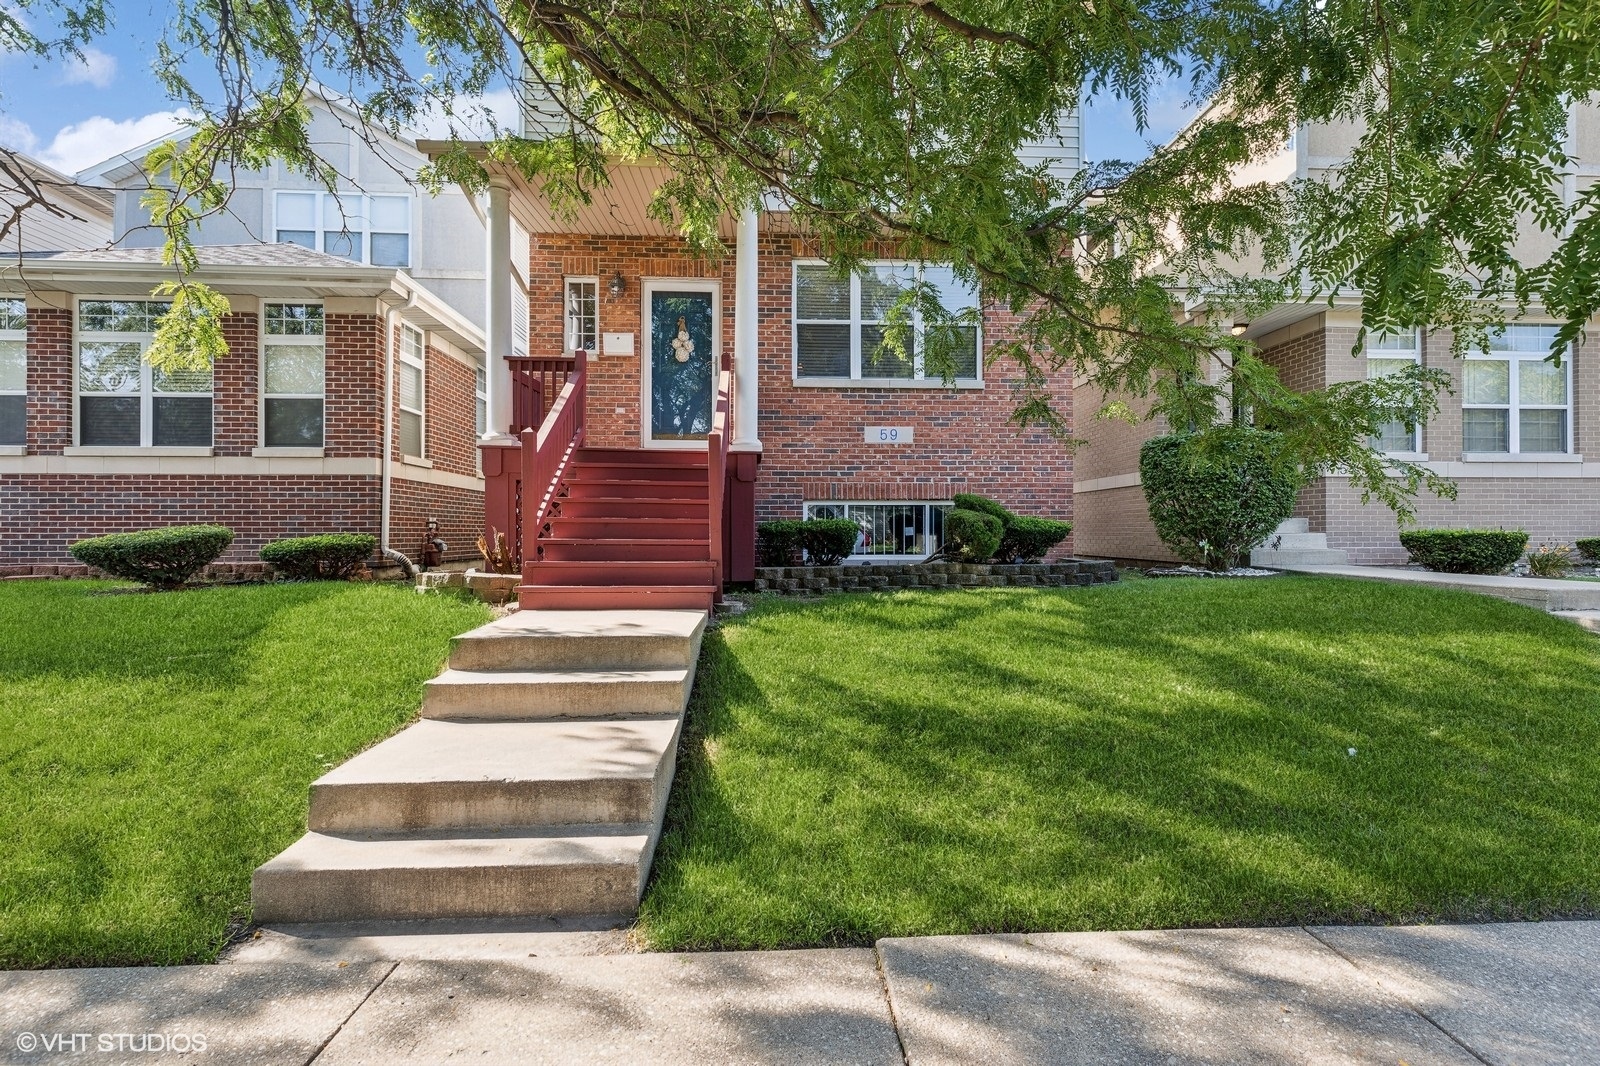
point(617, 528)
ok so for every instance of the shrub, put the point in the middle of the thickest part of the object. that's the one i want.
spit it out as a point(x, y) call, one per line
point(327, 556)
point(1589, 548)
point(828, 540)
point(1464, 551)
point(1551, 560)
point(1032, 538)
point(161, 558)
point(972, 536)
point(1215, 495)
point(778, 543)
point(967, 501)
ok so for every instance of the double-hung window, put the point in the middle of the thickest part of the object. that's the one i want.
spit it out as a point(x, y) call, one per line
point(13, 371)
point(1514, 400)
point(583, 315)
point(480, 398)
point(294, 377)
point(889, 531)
point(413, 391)
point(364, 229)
point(840, 323)
point(123, 401)
point(1390, 353)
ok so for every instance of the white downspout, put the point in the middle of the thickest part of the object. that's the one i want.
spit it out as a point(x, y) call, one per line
point(746, 333)
point(386, 493)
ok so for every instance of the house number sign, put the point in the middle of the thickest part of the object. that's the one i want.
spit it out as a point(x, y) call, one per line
point(890, 435)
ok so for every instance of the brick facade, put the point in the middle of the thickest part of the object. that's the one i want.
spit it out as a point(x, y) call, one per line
point(812, 438)
point(53, 497)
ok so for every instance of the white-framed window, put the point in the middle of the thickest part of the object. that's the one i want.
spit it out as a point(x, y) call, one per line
point(480, 398)
point(364, 229)
point(413, 391)
point(123, 401)
point(890, 530)
point(1389, 353)
point(583, 315)
point(1513, 399)
point(293, 376)
point(13, 371)
point(839, 323)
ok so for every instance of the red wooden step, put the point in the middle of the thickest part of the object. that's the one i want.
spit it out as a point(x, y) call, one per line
point(642, 456)
point(670, 573)
point(667, 490)
point(570, 528)
point(582, 471)
point(615, 598)
point(584, 549)
point(612, 507)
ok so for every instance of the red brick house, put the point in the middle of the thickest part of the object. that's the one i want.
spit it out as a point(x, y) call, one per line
point(350, 400)
point(819, 423)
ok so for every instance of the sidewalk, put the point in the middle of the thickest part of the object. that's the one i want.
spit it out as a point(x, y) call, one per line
point(1522, 994)
point(1547, 594)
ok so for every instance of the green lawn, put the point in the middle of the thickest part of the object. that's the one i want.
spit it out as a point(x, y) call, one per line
point(155, 748)
point(1159, 753)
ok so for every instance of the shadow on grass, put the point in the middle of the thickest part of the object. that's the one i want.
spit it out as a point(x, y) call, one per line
point(1172, 753)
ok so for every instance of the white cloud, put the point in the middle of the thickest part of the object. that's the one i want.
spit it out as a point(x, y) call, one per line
point(83, 144)
point(95, 68)
point(17, 135)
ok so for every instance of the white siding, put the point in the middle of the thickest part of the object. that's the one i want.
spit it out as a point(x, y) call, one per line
point(1062, 150)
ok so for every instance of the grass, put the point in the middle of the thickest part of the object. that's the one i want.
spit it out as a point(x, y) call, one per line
point(1157, 754)
point(155, 748)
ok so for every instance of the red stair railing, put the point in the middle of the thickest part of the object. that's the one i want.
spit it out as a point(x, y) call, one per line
point(717, 474)
point(546, 453)
point(533, 380)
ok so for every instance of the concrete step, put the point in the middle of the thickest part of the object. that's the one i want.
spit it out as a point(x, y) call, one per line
point(667, 573)
point(477, 874)
point(460, 775)
point(616, 597)
point(1588, 619)
point(521, 695)
point(582, 640)
point(1293, 525)
point(1296, 541)
point(1298, 557)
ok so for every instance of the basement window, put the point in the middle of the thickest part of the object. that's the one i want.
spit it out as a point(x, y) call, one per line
point(890, 531)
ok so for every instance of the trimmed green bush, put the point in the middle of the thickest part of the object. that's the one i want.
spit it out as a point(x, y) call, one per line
point(1029, 538)
point(1465, 551)
point(778, 543)
point(160, 558)
point(972, 536)
point(1589, 548)
point(970, 501)
point(329, 556)
point(828, 540)
point(1215, 495)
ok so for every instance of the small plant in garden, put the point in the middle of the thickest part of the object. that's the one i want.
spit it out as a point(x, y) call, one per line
point(1021, 536)
point(827, 541)
point(1551, 560)
point(972, 536)
point(1589, 548)
point(1216, 494)
point(329, 556)
point(160, 558)
point(1464, 551)
point(498, 558)
point(778, 542)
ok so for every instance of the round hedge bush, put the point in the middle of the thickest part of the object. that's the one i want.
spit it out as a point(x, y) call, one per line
point(828, 541)
point(1588, 547)
point(972, 536)
point(160, 558)
point(327, 556)
point(1031, 538)
point(1465, 551)
point(1215, 495)
point(971, 501)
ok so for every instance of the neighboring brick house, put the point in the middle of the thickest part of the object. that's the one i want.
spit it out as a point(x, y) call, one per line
point(286, 436)
point(1512, 433)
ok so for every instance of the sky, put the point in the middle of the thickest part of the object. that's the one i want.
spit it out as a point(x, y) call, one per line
point(73, 113)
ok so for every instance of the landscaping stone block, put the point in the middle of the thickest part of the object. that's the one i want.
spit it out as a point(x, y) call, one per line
point(941, 574)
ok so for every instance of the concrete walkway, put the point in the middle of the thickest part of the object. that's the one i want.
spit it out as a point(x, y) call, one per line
point(1547, 594)
point(1524, 994)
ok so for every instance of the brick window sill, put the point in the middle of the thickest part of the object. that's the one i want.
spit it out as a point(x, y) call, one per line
point(286, 453)
point(1520, 457)
point(157, 453)
point(926, 384)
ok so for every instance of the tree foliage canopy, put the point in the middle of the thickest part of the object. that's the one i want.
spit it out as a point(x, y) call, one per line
point(902, 118)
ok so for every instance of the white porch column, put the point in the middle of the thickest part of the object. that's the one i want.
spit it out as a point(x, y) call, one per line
point(746, 334)
point(497, 307)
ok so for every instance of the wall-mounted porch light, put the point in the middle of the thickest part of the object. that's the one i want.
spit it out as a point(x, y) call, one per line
point(1239, 327)
point(617, 285)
